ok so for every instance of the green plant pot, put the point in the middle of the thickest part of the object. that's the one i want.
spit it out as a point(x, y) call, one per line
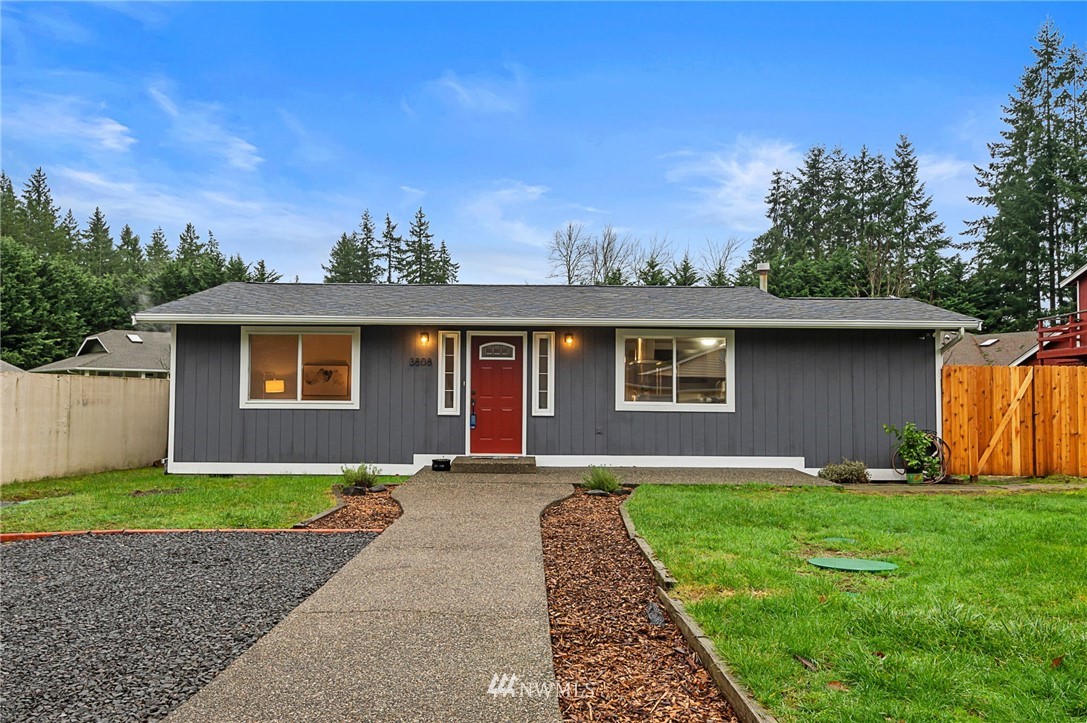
point(915, 478)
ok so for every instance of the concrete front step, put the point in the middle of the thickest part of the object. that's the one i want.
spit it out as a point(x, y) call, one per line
point(494, 465)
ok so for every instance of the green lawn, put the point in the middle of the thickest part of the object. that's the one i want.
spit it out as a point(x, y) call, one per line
point(985, 619)
point(105, 501)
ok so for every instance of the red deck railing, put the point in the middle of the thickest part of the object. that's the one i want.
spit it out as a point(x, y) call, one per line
point(1062, 339)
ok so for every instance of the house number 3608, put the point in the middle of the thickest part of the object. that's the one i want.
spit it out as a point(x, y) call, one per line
point(417, 361)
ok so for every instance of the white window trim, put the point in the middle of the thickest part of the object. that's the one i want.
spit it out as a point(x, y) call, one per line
point(623, 405)
point(453, 411)
point(537, 410)
point(356, 373)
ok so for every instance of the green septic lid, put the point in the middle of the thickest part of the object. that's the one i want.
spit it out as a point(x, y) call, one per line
point(852, 564)
point(839, 539)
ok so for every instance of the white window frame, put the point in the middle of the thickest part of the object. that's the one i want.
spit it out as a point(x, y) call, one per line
point(453, 411)
point(537, 410)
point(622, 404)
point(356, 371)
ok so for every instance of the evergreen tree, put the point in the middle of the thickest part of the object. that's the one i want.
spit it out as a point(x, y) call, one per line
point(370, 269)
point(392, 251)
point(653, 272)
point(343, 261)
point(189, 247)
point(41, 217)
point(98, 252)
point(11, 210)
point(236, 269)
point(130, 253)
point(1032, 188)
point(264, 275)
point(684, 273)
point(73, 235)
point(420, 255)
point(447, 271)
point(157, 252)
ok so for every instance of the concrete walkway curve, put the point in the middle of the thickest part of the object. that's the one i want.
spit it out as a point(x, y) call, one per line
point(417, 625)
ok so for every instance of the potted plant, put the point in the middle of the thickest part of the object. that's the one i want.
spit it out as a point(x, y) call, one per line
point(917, 452)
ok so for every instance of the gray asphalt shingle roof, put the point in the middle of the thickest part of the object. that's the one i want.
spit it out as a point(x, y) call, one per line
point(590, 305)
point(121, 354)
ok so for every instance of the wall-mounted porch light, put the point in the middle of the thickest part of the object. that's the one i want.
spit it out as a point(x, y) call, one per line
point(568, 340)
point(424, 338)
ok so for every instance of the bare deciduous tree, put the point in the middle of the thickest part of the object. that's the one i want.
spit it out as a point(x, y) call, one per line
point(718, 259)
point(569, 253)
point(610, 257)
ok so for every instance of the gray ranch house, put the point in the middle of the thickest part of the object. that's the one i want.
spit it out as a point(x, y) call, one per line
point(305, 378)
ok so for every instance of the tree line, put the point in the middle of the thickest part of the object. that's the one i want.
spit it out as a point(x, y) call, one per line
point(863, 224)
point(62, 281)
point(361, 257)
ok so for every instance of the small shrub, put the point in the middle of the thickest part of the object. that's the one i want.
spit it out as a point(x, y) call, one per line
point(848, 471)
point(600, 478)
point(365, 475)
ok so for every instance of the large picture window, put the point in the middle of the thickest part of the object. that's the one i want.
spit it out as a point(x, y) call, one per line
point(449, 373)
point(675, 370)
point(305, 368)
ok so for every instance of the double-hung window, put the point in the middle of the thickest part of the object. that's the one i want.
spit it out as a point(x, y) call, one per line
point(449, 373)
point(543, 374)
point(675, 370)
point(299, 368)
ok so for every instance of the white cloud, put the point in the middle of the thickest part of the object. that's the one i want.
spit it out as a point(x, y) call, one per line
point(195, 127)
point(413, 192)
point(309, 150)
point(502, 210)
point(731, 183)
point(482, 94)
point(59, 119)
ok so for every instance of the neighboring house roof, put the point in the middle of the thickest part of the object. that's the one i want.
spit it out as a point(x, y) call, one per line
point(1073, 276)
point(118, 350)
point(1000, 350)
point(239, 302)
point(10, 368)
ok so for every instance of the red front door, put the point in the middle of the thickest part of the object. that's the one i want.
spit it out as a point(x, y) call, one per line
point(497, 396)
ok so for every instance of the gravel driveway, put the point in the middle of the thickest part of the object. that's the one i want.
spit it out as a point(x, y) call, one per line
point(126, 627)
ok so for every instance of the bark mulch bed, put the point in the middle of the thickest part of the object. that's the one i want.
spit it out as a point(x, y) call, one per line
point(610, 661)
point(371, 511)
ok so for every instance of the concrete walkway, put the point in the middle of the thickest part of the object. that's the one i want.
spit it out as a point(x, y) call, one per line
point(415, 626)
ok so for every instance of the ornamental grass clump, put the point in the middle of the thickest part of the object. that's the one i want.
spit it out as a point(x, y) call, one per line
point(848, 471)
point(361, 478)
point(600, 478)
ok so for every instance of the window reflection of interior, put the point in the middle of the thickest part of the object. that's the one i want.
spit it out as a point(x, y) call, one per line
point(325, 373)
point(651, 370)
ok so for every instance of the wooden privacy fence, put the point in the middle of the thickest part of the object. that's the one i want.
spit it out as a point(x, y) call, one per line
point(1029, 421)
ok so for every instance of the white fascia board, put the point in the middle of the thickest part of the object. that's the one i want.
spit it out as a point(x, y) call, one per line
point(1072, 276)
point(548, 321)
point(90, 338)
point(1024, 356)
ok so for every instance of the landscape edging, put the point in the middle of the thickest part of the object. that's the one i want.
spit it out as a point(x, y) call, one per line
point(21, 536)
point(746, 708)
point(340, 504)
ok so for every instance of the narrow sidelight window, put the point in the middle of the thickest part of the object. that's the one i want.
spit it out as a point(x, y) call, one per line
point(449, 373)
point(543, 376)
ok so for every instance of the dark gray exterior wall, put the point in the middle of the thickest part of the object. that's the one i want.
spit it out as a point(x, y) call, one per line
point(817, 394)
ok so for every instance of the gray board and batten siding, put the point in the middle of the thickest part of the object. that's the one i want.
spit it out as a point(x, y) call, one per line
point(820, 394)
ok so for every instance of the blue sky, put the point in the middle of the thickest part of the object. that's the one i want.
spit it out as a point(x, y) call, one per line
point(276, 124)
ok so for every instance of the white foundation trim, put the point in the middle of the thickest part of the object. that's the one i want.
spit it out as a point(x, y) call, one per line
point(317, 468)
point(651, 460)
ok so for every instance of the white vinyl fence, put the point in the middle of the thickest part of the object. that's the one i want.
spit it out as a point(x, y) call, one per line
point(54, 425)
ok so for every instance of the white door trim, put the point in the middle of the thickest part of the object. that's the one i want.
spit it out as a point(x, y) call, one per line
point(470, 357)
